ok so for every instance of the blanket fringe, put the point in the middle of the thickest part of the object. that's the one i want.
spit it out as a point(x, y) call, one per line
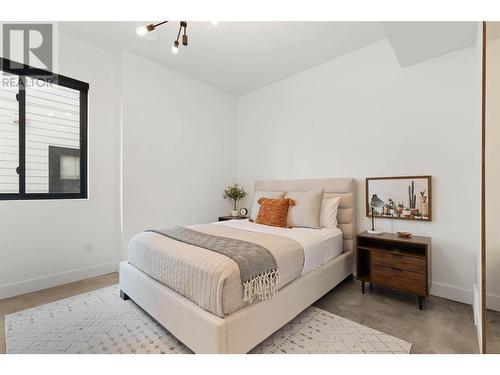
point(263, 286)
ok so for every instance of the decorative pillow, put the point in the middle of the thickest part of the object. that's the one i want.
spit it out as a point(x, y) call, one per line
point(329, 210)
point(273, 211)
point(305, 212)
point(263, 194)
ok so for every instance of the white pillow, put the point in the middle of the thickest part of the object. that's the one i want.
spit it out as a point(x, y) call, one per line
point(305, 212)
point(263, 194)
point(329, 210)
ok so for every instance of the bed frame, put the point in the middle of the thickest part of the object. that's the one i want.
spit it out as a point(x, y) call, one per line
point(239, 332)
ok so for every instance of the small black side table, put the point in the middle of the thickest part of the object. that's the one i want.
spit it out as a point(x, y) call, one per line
point(224, 218)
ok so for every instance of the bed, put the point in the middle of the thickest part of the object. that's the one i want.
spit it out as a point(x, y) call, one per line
point(210, 316)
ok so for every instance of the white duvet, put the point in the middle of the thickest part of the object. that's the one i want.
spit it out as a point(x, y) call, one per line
point(320, 245)
point(212, 280)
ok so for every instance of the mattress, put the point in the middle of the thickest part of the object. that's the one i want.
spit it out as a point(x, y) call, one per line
point(212, 280)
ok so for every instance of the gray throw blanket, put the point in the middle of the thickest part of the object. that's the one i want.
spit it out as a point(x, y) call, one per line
point(258, 268)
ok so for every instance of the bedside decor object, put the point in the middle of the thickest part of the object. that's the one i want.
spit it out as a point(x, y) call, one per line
point(395, 262)
point(404, 190)
point(404, 234)
point(424, 206)
point(372, 230)
point(243, 212)
point(235, 192)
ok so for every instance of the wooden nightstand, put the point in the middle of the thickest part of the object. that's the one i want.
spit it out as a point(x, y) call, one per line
point(224, 218)
point(395, 262)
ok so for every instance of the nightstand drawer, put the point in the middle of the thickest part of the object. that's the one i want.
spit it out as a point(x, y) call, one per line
point(402, 262)
point(399, 279)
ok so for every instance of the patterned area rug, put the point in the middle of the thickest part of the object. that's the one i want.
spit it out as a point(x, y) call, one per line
point(100, 322)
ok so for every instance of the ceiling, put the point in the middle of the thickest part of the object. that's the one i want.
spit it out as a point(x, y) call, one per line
point(240, 57)
point(414, 42)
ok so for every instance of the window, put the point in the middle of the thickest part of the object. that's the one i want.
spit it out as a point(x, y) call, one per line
point(43, 135)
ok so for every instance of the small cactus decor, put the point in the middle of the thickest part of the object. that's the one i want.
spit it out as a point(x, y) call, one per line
point(412, 196)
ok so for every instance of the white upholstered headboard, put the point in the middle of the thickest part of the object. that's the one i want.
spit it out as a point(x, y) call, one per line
point(342, 186)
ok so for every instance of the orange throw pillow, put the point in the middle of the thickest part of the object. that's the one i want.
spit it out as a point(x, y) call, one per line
point(273, 212)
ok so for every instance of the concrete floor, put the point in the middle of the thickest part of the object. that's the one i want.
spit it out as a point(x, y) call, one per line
point(443, 326)
point(492, 332)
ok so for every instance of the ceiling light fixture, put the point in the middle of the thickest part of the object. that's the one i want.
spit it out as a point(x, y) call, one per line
point(175, 48)
point(144, 31)
point(149, 31)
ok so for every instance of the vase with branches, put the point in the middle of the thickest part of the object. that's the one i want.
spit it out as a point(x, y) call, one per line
point(236, 193)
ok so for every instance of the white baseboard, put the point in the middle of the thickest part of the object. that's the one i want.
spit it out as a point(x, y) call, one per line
point(452, 292)
point(31, 285)
point(492, 302)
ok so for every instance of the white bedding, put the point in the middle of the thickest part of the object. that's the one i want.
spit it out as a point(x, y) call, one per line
point(212, 280)
point(320, 245)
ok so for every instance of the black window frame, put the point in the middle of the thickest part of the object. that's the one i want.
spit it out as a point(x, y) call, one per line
point(60, 80)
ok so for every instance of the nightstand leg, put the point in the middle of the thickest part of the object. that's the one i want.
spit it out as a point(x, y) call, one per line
point(363, 287)
point(420, 302)
point(371, 286)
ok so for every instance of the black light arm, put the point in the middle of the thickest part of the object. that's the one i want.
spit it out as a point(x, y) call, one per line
point(182, 27)
point(151, 26)
point(184, 36)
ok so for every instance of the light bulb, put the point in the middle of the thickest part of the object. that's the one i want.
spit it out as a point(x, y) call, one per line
point(214, 23)
point(175, 49)
point(141, 30)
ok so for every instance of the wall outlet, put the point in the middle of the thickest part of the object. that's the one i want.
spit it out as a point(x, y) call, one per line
point(87, 247)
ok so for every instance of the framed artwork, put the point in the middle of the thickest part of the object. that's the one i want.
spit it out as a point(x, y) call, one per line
point(403, 198)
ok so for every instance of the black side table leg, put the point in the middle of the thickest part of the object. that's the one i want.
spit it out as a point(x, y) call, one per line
point(371, 286)
point(363, 287)
point(420, 302)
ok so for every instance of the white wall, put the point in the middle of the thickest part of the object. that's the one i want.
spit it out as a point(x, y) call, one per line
point(179, 149)
point(493, 176)
point(363, 115)
point(43, 243)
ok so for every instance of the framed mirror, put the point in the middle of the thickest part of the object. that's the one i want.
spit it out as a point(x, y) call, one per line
point(402, 197)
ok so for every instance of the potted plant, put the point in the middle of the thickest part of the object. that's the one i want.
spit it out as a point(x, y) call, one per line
point(235, 192)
